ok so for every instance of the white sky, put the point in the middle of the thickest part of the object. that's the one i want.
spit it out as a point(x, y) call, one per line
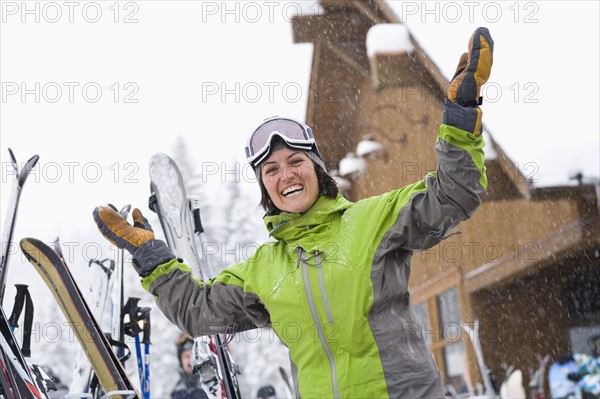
point(173, 52)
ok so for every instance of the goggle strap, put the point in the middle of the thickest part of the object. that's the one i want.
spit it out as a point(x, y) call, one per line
point(259, 157)
point(302, 144)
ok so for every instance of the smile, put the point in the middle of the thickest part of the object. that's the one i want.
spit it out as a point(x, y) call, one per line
point(292, 191)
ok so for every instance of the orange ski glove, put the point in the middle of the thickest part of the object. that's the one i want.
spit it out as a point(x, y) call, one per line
point(138, 239)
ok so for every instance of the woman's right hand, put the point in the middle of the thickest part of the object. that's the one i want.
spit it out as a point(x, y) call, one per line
point(118, 231)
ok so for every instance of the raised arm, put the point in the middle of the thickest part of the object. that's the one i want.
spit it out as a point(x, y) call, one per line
point(421, 214)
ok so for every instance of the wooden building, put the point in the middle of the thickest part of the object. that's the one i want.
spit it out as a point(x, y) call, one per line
point(526, 265)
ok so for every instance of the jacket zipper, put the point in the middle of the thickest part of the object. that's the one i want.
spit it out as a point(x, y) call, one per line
point(315, 316)
point(323, 291)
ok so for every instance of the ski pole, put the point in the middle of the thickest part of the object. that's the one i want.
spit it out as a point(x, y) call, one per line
point(23, 300)
point(124, 212)
point(145, 318)
point(19, 303)
point(133, 329)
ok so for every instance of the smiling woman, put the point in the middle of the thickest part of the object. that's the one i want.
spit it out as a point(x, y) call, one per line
point(337, 275)
point(293, 174)
point(290, 180)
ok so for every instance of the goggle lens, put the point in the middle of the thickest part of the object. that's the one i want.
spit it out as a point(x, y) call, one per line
point(289, 129)
point(295, 134)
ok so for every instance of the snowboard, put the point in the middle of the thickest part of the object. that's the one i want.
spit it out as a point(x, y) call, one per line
point(55, 273)
point(182, 229)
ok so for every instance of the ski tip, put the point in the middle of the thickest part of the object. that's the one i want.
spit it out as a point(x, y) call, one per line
point(28, 168)
point(30, 246)
point(12, 156)
point(159, 155)
point(33, 160)
point(35, 249)
point(157, 161)
point(33, 241)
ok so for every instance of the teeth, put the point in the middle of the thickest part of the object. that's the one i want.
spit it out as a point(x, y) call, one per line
point(292, 190)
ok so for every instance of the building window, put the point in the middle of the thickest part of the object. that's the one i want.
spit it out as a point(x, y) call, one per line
point(449, 313)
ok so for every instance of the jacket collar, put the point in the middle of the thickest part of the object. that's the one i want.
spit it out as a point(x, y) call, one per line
point(308, 229)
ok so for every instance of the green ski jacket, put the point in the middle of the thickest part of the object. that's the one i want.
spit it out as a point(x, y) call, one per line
point(334, 286)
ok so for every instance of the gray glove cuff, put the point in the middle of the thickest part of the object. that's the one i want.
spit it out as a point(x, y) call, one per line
point(150, 255)
point(464, 118)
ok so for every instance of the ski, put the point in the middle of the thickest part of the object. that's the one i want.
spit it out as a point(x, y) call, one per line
point(231, 369)
point(180, 220)
point(55, 273)
point(100, 282)
point(169, 200)
point(473, 333)
point(11, 213)
point(16, 379)
point(286, 379)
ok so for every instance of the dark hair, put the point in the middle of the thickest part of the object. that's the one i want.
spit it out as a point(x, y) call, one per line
point(327, 187)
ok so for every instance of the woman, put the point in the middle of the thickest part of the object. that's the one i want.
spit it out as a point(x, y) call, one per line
point(334, 286)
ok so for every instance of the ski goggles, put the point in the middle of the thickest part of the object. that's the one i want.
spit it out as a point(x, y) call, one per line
point(295, 134)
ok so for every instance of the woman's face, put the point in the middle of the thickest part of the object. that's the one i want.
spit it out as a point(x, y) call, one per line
point(290, 179)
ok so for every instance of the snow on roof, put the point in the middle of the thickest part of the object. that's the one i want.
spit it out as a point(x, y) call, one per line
point(388, 39)
point(367, 147)
point(351, 164)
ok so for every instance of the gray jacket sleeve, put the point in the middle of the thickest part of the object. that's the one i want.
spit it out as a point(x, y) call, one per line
point(430, 208)
point(205, 308)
